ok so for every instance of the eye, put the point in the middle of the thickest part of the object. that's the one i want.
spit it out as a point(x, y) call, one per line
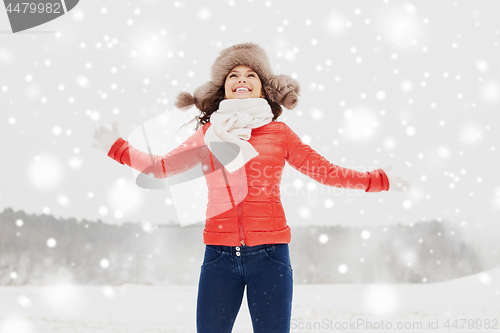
point(251, 74)
point(232, 75)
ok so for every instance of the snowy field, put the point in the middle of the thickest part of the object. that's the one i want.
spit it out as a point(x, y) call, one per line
point(471, 301)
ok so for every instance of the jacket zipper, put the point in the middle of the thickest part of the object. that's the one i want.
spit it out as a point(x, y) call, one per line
point(240, 226)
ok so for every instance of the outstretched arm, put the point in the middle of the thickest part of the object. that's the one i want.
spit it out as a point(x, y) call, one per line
point(304, 159)
point(181, 159)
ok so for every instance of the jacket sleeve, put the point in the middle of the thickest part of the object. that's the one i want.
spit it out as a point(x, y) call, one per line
point(178, 160)
point(304, 159)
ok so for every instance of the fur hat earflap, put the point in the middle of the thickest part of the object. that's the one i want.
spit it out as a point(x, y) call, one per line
point(282, 89)
point(203, 92)
point(184, 101)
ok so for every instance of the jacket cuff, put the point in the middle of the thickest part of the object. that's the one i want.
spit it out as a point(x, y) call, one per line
point(117, 149)
point(378, 181)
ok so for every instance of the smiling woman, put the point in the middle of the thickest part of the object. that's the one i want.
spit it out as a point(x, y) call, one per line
point(247, 237)
point(243, 82)
point(241, 76)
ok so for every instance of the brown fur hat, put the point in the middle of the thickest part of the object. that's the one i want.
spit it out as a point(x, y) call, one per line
point(282, 89)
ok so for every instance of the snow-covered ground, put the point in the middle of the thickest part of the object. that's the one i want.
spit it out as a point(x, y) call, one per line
point(471, 301)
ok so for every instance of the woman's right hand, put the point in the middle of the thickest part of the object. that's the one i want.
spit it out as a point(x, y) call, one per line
point(105, 137)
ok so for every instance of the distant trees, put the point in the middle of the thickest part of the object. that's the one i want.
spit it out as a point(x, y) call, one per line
point(89, 252)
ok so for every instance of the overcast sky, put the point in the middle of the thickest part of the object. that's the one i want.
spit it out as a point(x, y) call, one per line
point(412, 84)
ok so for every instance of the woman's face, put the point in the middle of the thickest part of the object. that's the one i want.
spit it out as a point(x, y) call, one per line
point(242, 82)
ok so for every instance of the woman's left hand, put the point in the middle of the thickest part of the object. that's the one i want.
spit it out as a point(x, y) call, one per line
point(396, 183)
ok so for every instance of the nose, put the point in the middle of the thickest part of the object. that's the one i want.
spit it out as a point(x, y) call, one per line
point(242, 80)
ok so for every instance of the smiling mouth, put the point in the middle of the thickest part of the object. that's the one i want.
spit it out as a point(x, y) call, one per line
point(242, 90)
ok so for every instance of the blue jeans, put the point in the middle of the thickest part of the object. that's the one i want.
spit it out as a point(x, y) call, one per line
point(267, 273)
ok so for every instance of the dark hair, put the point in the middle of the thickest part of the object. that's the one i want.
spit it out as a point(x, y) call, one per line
point(211, 104)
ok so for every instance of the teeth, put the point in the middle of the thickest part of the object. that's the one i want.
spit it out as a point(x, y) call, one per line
point(242, 89)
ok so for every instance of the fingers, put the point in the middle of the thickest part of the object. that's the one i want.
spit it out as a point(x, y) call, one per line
point(97, 135)
point(398, 184)
point(403, 185)
point(104, 129)
point(96, 146)
point(99, 132)
point(387, 168)
point(115, 127)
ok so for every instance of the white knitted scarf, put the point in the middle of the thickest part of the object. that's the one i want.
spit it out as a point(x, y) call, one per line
point(233, 123)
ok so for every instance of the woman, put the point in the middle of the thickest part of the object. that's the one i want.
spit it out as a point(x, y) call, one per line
point(246, 233)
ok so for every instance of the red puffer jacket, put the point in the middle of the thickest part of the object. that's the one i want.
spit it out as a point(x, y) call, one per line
point(244, 207)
